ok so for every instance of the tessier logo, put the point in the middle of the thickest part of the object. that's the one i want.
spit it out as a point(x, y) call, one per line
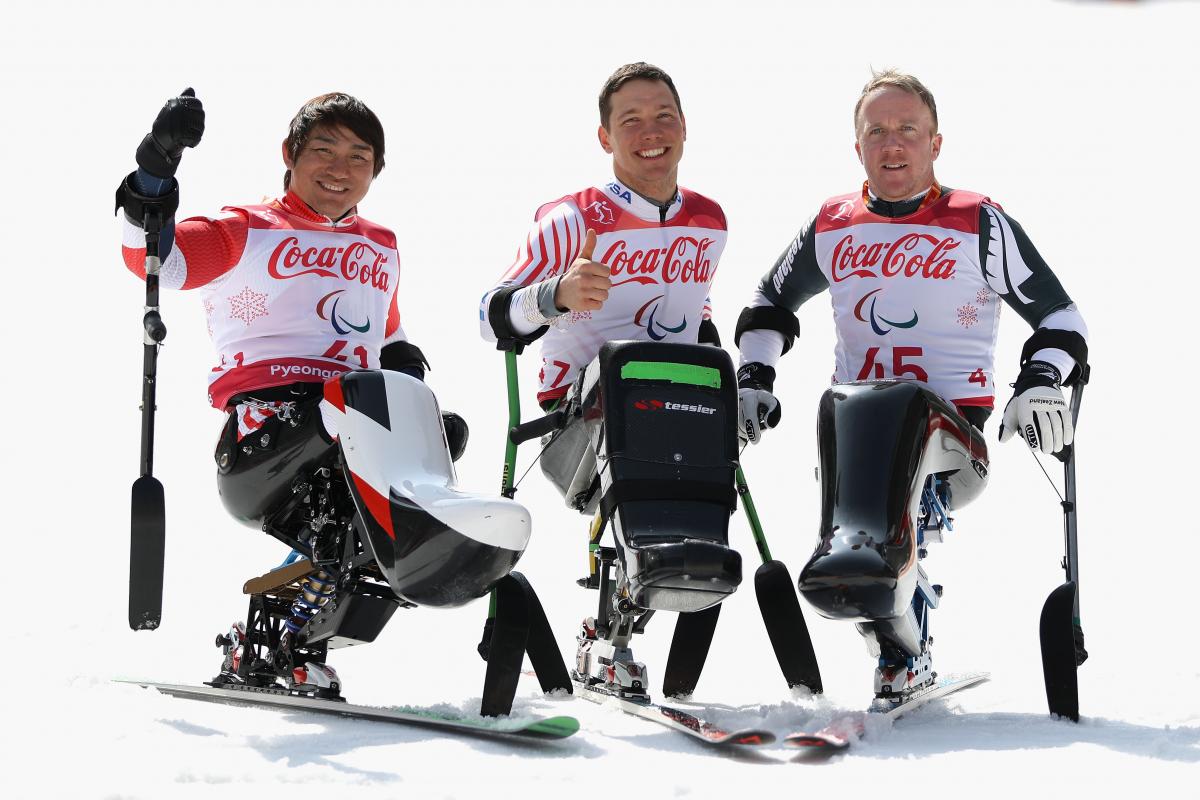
point(911, 255)
point(684, 260)
point(357, 262)
point(649, 405)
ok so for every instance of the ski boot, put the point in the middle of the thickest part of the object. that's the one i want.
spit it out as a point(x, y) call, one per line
point(601, 665)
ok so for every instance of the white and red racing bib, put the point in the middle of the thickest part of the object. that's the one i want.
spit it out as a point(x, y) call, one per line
point(662, 262)
point(910, 300)
point(305, 302)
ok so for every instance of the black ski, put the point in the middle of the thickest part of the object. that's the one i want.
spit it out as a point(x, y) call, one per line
point(678, 720)
point(546, 728)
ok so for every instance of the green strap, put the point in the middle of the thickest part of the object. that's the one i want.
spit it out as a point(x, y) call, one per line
point(669, 371)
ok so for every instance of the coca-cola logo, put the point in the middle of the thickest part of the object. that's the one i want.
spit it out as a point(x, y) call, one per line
point(912, 255)
point(358, 262)
point(684, 260)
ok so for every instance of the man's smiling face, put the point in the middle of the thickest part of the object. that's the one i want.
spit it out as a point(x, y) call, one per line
point(333, 170)
point(645, 134)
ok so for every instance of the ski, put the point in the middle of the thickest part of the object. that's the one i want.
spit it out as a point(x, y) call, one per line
point(842, 731)
point(678, 720)
point(545, 728)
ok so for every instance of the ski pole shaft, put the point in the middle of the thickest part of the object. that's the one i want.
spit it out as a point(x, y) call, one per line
point(760, 539)
point(514, 419)
point(510, 447)
point(1070, 507)
point(155, 332)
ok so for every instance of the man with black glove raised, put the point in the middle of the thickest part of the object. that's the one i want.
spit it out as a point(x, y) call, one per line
point(916, 272)
point(296, 291)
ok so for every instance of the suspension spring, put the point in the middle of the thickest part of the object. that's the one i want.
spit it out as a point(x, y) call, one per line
point(315, 591)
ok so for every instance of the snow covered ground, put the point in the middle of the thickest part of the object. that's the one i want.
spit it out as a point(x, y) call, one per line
point(1079, 118)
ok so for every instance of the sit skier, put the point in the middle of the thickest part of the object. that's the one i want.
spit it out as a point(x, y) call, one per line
point(297, 291)
point(632, 258)
point(916, 272)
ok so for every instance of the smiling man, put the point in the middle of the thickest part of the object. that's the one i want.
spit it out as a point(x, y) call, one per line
point(630, 258)
point(296, 291)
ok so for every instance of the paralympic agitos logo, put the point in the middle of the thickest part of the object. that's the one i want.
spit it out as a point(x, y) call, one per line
point(358, 262)
point(327, 310)
point(644, 318)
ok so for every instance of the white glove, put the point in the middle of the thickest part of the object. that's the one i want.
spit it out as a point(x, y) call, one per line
point(1038, 410)
point(757, 410)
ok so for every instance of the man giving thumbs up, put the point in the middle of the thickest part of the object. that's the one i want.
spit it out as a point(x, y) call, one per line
point(629, 258)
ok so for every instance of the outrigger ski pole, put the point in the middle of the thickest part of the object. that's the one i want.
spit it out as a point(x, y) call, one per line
point(780, 606)
point(147, 541)
point(1061, 632)
point(516, 624)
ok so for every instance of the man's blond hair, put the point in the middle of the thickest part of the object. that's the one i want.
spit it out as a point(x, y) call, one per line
point(900, 80)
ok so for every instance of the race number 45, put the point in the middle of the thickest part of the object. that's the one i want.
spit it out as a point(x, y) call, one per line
point(873, 364)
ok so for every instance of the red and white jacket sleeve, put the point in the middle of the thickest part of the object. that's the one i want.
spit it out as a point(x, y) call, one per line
point(552, 244)
point(205, 248)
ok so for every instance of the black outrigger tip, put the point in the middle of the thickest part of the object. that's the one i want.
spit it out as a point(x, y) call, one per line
point(785, 625)
point(1060, 657)
point(147, 551)
point(689, 650)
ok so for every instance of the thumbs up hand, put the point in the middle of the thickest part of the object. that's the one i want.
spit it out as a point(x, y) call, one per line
point(585, 285)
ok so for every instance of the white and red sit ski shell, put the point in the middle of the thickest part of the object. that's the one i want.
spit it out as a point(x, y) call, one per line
point(437, 545)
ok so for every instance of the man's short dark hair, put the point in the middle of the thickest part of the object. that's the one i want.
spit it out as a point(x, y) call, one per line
point(639, 71)
point(331, 110)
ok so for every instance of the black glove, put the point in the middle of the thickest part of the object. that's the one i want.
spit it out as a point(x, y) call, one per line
point(179, 124)
point(758, 408)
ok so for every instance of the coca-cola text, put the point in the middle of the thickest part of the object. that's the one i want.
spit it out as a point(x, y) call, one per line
point(684, 260)
point(906, 256)
point(358, 262)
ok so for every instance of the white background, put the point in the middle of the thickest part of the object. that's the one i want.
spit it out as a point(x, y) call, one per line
point(1078, 117)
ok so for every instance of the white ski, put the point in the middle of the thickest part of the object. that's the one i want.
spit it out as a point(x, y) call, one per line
point(525, 728)
point(678, 720)
point(841, 732)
